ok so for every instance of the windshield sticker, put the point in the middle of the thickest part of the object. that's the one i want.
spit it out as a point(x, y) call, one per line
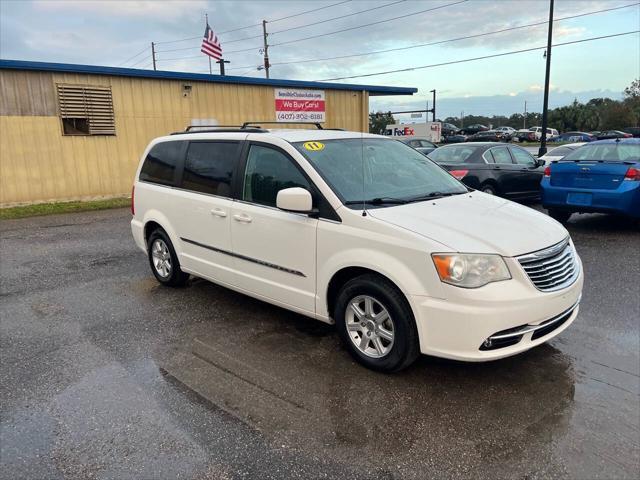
point(313, 146)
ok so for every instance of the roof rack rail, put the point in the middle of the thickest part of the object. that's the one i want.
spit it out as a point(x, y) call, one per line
point(219, 129)
point(192, 127)
point(247, 124)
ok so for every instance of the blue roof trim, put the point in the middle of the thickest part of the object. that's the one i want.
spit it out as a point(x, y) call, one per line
point(201, 77)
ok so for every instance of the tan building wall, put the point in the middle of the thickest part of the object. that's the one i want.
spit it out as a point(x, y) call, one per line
point(39, 164)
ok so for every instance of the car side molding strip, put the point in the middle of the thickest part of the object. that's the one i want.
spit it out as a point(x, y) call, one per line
point(244, 257)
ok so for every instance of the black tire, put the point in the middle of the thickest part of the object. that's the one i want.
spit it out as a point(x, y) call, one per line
point(561, 216)
point(175, 276)
point(489, 189)
point(405, 347)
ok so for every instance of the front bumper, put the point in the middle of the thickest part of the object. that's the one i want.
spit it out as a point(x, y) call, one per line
point(624, 200)
point(458, 327)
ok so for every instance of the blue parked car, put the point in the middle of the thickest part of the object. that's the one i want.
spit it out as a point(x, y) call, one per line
point(601, 176)
point(574, 137)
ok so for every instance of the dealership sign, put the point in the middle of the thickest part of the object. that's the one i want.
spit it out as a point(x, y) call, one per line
point(298, 105)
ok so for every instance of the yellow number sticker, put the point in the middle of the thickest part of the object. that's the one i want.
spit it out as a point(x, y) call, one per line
point(313, 146)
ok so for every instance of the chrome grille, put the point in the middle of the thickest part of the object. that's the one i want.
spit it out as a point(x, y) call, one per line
point(553, 268)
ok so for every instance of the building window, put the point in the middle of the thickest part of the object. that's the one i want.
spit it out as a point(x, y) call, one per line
point(86, 110)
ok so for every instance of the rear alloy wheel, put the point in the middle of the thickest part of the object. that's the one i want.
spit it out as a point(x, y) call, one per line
point(561, 216)
point(376, 323)
point(488, 189)
point(164, 261)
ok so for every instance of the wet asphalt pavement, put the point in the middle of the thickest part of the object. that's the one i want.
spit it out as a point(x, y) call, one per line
point(105, 374)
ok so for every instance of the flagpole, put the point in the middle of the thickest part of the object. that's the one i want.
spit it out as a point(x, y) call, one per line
point(206, 19)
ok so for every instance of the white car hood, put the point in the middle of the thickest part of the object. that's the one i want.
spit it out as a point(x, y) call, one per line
point(477, 223)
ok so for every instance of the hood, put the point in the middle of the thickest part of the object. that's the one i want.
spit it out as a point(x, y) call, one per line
point(477, 223)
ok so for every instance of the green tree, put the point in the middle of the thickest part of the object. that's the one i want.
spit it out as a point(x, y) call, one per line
point(378, 122)
point(632, 101)
point(633, 90)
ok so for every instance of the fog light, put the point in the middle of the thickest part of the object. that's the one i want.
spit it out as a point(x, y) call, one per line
point(486, 343)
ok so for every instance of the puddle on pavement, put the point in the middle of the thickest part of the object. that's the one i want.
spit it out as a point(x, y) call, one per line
point(289, 377)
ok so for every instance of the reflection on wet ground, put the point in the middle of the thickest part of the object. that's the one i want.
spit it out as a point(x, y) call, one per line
point(105, 374)
point(303, 387)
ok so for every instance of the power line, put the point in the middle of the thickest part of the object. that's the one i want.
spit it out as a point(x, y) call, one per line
point(308, 11)
point(254, 25)
point(315, 23)
point(513, 52)
point(338, 18)
point(135, 56)
point(138, 62)
point(369, 24)
point(439, 42)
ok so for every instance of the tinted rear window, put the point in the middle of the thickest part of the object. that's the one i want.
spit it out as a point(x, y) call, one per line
point(161, 162)
point(452, 154)
point(208, 167)
point(612, 152)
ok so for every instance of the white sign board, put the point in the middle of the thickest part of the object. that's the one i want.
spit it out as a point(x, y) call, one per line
point(298, 105)
point(431, 131)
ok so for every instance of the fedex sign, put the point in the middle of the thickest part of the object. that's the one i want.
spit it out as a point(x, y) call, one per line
point(400, 132)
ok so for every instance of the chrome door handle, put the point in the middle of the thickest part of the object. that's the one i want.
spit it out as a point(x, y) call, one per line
point(244, 218)
point(218, 212)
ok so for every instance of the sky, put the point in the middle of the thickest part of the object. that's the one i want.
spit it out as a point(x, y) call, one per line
point(119, 33)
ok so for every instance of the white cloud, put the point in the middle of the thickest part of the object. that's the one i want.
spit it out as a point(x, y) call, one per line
point(149, 9)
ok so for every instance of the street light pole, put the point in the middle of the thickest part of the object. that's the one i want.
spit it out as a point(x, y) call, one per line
point(545, 106)
point(433, 109)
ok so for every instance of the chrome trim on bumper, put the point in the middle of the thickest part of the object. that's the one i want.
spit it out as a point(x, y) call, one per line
point(532, 328)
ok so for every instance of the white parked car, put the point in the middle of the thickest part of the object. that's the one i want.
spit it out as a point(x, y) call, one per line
point(559, 153)
point(360, 230)
point(537, 131)
point(510, 131)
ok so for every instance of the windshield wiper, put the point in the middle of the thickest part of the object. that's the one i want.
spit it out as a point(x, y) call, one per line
point(433, 196)
point(379, 201)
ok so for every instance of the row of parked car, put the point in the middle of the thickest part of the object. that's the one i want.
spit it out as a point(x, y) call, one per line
point(482, 133)
point(599, 176)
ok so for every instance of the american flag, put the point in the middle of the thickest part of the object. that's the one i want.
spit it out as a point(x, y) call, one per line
point(210, 44)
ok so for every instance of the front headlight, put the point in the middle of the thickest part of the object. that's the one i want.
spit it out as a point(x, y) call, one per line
point(470, 271)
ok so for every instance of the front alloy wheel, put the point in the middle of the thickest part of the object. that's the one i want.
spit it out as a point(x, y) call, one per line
point(376, 323)
point(369, 326)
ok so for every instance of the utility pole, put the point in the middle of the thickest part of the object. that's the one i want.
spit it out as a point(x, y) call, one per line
point(524, 119)
point(266, 48)
point(222, 61)
point(545, 106)
point(462, 119)
point(153, 54)
point(433, 109)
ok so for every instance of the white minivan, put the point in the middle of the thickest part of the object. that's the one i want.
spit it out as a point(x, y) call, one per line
point(358, 230)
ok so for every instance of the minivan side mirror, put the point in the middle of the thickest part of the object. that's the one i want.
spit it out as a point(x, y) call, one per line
point(295, 199)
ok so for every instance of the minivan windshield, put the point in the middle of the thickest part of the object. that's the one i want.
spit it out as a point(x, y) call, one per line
point(609, 152)
point(378, 171)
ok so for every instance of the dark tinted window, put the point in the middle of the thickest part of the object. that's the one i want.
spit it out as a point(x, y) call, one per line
point(457, 154)
point(208, 167)
point(522, 157)
point(268, 171)
point(501, 155)
point(160, 164)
